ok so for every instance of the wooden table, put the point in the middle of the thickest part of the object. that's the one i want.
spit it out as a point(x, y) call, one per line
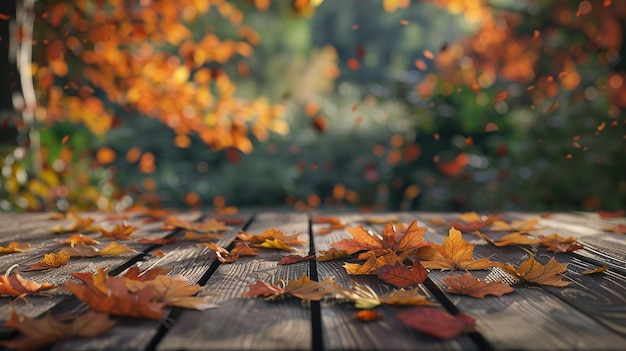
point(588, 314)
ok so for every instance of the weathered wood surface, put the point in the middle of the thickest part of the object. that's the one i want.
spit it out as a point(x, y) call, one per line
point(589, 314)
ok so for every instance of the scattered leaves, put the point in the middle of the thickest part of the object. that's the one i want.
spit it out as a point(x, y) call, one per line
point(82, 250)
point(518, 226)
point(211, 226)
point(363, 296)
point(51, 260)
point(173, 291)
point(13, 247)
point(437, 323)
point(80, 225)
point(271, 234)
point(473, 221)
point(555, 242)
point(468, 284)
point(332, 254)
point(373, 263)
point(392, 239)
point(334, 223)
point(401, 276)
point(455, 253)
point(37, 333)
point(79, 238)
point(517, 238)
point(221, 253)
point(534, 272)
point(303, 288)
point(275, 244)
point(242, 248)
point(157, 241)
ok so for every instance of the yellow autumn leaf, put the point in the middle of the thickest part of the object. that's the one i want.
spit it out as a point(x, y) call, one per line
point(114, 249)
point(455, 253)
point(13, 247)
point(534, 272)
point(123, 231)
point(275, 244)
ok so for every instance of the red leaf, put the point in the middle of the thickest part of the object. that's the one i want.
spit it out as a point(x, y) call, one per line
point(436, 323)
point(401, 276)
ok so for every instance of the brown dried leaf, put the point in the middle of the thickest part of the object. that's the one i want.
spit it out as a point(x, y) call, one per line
point(123, 232)
point(517, 238)
point(401, 276)
point(15, 285)
point(133, 273)
point(332, 254)
point(595, 270)
point(37, 333)
point(242, 248)
point(173, 291)
point(436, 323)
point(303, 288)
point(221, 253)
point(555, 242)
point(291, 259)
point(468, 284)
point(473, 221)
point(211, 226)
point(79, 238)
point(13, 247)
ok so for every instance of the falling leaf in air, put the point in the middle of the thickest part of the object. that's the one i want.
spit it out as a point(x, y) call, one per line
point(51, 260)
point(332, 254)
point(526, 225)
point(270, 234)
point(473, 221)
point(392, 239)
point(79, 238)
point(110, 295)
point(291, 259)
point(13, 247)
point(455, 253)
point(517, 238)
point(368, 315)
point(40, 332)
point(16, 285)
point(617, 229)
point(303, 288)
point(437, 323)
point(595, 270)
point(211, 226)
point(401, 276)
point(123, 231)
point(555, 242)
point(275, 244)
point(468, 284)
point(173, 291)
point(534, 272)
point(80, 225)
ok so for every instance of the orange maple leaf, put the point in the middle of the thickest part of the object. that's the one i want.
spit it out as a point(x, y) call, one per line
point(81, 225)
point(173, 291)
point(13, 247)
point(334, 223)
point(242, 248)
point(473, 221)
point(517, 238)
point(16, 285)
point(557, 243)
point(373, 263)
point(303, 288)
point(518, 226)
point(133, 273)
point(468, 284)
point(270, 234)
point(51, 260)
point(79, 238)
point(455, 253)
point(368, 315)
point(534, 272)
point(401, 276)
point(123, 231)
point(37, 333)
point(110, 295)
point(391, 239)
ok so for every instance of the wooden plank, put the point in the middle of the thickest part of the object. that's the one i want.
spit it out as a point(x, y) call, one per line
point(250, 323)
point(342, 331)
point(189, 259)
point(532, 316)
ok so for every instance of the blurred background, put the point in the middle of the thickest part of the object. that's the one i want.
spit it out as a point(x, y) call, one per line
point(460, 105)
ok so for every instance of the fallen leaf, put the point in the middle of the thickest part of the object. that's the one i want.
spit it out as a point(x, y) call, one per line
point(159, 253)
point(221, 253)
point(518, 226)
point(189, 235)
point(80, 225)
point(555, 242)
point(595, 270)
point(15, 285)
point(51, 260)
point(373, 263)
point(231, 220)
point(612, 214)
point(455, 253)
point(332, 254)
point(123, 232)
point(363, 296)
point(412, 297)
point(173, 291)
point(303, 288)
point(114, 249)
point(13, 247)
point(517, 238)
point(157, 241)
point(401, 276)
point(617, 229)
point(392, 239)
point(270, 234)
point(133, 273)
point(290, 259)
point(211, 226)
point(79, 238)
point(468, 284)
point(534, 272)
point(82, 250)
point(242, 248)
point(368, 315)
point(473, 221)
point(116, 216)
point(37, 333)
point(437, 323)
point(110, 295)
point(275, 244)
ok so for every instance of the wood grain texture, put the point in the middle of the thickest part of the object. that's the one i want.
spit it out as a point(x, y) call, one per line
point(341, 330)
point(249, 323)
